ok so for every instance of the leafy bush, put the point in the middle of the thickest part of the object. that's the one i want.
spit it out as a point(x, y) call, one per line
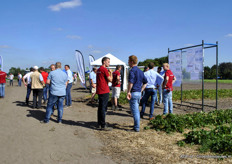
point(177, 123)
point(218, 140)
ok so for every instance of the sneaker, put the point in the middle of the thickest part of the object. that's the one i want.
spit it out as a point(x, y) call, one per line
point(64, 107)
point(43, 122)
point(141, 116)
point(152, 118)
point(157, 104)
point(59, 122)
point(107, 128)
point(113, 107)
point(132, 130)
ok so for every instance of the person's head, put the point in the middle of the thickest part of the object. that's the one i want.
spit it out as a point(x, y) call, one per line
point(166, 66)
point(145, 69)
point(19, 73)
point(118, 67)
point(66, 67)
point(106, 61)
point(132, 61)
point(151, 65)
point(95, 69)
point(35, 68)
point(52, 67)
point(159, 69)
point(41, 69)
point(31, 69)
point(58, 65)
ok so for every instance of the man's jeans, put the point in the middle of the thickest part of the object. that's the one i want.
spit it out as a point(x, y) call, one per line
point(2, 90)
point(134, 106)
point(167, 95)
point(102, 108)
point(20, 82)
point(51, 102)
point(45, 92)
point(68, 99)
point(149, 92)
point(160, 95)
point(37, 93)
point(11, 82)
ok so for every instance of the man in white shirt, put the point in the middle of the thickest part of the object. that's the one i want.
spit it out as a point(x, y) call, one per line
point(11, 77)
point(27, 83)
point(68, 98)
point(19, 79)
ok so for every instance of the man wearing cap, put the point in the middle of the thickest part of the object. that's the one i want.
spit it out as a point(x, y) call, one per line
point(37, 84)
point(3, 76)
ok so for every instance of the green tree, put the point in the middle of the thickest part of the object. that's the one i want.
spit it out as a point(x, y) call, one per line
point(207, 74)
point(225, 70)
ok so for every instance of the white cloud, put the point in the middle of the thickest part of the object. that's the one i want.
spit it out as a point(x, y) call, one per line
point(65, 5)
point(73, 37)
point(90, 46)
point(96, 52)
point(228, 35)
point(4, 46)
point(59, 29)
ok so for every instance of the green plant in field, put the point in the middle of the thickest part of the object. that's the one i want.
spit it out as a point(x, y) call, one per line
point(177, 123)
point(218, 140)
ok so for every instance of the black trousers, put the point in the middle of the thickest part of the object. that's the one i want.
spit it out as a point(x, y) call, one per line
point(37, 93)
point(102, 108)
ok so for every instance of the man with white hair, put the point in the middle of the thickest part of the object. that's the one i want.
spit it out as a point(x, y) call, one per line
point(37, 84)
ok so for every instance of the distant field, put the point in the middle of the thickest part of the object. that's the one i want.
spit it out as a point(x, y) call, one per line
point(219, 81)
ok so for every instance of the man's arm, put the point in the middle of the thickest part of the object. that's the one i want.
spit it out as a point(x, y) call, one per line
point(110, 78)
point(48, 81)
point(143, 87)
point(174, 79)
point(24, 81)
point(165, 81)
point(130, 85)
point(118, 79)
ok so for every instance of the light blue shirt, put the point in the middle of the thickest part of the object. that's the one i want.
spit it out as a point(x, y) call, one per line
point(70, 76)
point(58, 81)
point(153, 78)
point(93, 76)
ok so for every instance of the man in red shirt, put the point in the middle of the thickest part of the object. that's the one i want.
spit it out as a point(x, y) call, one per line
point(103, 77)
point(169, 79)
point(116, 87)
point(3, 76)
point(46, 87)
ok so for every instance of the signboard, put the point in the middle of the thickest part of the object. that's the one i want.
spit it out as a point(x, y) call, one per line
point(175, 62)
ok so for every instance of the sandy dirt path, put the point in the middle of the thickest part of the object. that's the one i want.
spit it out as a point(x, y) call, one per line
point(23, 139)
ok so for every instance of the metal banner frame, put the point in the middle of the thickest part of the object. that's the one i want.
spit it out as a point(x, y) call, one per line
point(204, 46)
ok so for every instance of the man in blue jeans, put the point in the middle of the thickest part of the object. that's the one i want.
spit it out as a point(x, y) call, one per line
point(68, 98)
point(169, 79)
point(153, 78)
point(3, 76)
point(58, 81)
point(136, 84)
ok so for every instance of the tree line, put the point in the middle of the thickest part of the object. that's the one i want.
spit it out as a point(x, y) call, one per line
point(224, 69)
point(15, 71)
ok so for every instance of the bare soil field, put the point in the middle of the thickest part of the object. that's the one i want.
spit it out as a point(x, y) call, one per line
point(24, 140)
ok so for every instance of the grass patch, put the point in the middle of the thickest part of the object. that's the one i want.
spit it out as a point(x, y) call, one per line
point(219, 81)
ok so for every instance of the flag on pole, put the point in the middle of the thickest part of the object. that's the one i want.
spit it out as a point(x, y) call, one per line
point(91, 59)
point(80, 67)
point(1, 63)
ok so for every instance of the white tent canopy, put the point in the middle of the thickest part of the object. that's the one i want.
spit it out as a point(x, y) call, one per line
point(114, 61)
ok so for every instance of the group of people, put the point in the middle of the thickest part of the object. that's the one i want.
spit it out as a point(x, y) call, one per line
point(58, 84)
point(53, 87)
point(149, 81)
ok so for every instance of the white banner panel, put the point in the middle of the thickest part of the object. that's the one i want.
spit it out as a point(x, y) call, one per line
point(91, 59)
point(195, 63)
point(80, 67)
point(174, 59)
point(1, 63)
